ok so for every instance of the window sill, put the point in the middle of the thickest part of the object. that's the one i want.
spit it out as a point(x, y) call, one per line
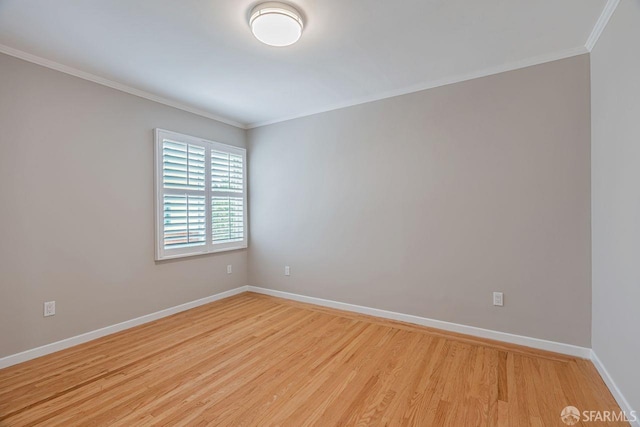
point(240, 246)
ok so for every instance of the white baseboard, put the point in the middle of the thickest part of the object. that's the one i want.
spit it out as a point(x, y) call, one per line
point(98, 333)
point(617, 394)
point(571, 350)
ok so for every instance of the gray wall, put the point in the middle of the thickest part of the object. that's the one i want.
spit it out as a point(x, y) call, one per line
point(615, 68)
point(76, 208)
point(422, 204)
point(426, 203)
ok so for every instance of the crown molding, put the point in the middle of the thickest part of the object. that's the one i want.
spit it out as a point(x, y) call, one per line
point(114, 85)
point(511, 66)
point(601, 23)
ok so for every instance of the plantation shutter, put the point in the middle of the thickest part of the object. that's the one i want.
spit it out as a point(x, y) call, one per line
point(227, 204)
point(183, 178)
point(200, 196)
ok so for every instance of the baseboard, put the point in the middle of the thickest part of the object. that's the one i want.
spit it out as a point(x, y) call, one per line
point(615, 391)
point(556, 347)
point(98, 333)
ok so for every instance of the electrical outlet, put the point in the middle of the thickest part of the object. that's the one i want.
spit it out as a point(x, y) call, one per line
point(229, 269)
point(287, 271)
point(498, 299)
point(49, 308)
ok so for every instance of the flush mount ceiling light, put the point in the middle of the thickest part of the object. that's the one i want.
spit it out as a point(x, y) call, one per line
point(276, 24)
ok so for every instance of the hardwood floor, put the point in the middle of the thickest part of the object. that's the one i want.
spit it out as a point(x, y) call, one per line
point(258, 360)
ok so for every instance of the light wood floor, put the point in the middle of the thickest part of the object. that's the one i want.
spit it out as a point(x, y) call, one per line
point(258, 360)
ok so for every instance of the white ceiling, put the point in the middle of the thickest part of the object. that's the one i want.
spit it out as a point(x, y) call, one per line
point(201, 53)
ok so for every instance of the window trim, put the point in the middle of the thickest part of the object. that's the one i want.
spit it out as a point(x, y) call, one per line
point(209, 247)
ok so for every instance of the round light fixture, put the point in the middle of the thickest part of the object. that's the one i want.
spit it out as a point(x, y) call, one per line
point(276, 24)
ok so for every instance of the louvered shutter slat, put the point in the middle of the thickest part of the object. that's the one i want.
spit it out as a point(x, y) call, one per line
point(183, 166)
point(184, 221)
point(227, 171)
point(227, 219)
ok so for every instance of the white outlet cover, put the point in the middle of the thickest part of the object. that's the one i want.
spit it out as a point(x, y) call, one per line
point(229, 269)
point(49, 308)
point(287, 270)
point(498, 299)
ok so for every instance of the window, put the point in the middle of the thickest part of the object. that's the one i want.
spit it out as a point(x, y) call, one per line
point(201, 196)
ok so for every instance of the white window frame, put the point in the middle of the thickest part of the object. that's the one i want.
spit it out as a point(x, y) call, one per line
point(209, 247)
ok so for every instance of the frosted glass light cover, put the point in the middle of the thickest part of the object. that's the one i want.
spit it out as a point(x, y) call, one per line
point(276, 25)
